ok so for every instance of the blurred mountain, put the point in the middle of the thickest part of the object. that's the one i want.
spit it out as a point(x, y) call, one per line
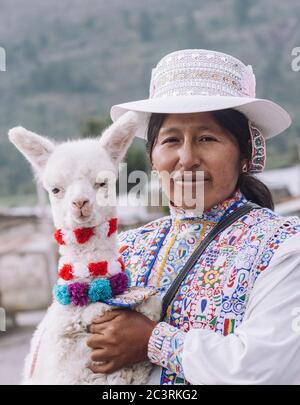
point(69, 61)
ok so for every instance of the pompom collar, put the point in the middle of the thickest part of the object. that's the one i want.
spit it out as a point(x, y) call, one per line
point(83, 235)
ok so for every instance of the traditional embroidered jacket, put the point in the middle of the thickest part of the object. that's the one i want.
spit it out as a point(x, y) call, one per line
point(231, 321)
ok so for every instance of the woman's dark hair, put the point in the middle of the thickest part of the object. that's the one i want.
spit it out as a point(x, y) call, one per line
point(237, 124)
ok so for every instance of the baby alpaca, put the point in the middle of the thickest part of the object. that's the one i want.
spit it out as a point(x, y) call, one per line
point(79, 176)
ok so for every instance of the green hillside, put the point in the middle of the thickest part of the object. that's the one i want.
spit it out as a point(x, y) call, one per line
point(69, 61)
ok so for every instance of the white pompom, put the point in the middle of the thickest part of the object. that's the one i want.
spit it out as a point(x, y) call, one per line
point(114, 267)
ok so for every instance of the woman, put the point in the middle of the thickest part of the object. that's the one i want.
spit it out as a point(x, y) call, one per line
point(232, 320)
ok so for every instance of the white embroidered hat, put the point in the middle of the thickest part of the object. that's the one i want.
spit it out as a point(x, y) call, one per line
point(199, 80)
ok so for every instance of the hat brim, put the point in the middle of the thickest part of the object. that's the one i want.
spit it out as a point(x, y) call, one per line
point(269, 117)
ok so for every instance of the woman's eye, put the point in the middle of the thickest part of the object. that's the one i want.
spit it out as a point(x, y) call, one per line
point(169, 140)
point(206, 138)
point(55, 190)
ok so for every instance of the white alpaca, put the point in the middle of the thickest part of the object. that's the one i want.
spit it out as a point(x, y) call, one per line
point(75, 174)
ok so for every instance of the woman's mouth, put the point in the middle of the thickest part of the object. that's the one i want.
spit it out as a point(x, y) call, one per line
point(196, 180)
point(191, 177)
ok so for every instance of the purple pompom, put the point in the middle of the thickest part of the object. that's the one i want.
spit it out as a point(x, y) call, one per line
point(78, 293)
point(119, 283)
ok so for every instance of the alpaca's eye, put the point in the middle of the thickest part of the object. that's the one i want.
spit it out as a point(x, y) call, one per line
point(101, 184)
point(55, 190)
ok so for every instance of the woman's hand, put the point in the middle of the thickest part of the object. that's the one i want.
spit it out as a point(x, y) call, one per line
point(119, 339)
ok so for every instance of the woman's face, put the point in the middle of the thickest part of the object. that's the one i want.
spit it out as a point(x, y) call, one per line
point(192, 143)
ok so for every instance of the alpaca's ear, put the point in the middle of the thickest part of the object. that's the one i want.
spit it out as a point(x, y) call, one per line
point(35, 148)
point(117, 138)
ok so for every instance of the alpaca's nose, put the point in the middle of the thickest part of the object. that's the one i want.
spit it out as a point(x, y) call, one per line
point(80, 203)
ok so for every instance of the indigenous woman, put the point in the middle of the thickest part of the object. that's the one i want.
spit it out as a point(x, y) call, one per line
point(233, 318)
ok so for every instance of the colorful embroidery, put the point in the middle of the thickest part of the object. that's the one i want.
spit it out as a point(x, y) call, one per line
point(258, 145)
point(165, 347)
point(215, 294)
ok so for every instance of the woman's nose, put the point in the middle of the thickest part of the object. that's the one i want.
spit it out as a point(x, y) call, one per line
point(189, 156)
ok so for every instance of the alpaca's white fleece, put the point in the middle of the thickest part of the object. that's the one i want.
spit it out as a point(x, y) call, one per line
point(59, 352)
point(63, 355)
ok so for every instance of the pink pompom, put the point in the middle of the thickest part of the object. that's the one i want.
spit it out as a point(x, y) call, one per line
point(119, 283)
point(78, 293)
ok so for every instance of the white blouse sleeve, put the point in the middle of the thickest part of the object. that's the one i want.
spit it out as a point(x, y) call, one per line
point(265, 348)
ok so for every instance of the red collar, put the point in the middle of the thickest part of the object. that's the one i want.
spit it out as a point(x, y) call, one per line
point(83, 235)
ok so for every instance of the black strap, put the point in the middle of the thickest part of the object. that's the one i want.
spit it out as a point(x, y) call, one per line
point(223, 224)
